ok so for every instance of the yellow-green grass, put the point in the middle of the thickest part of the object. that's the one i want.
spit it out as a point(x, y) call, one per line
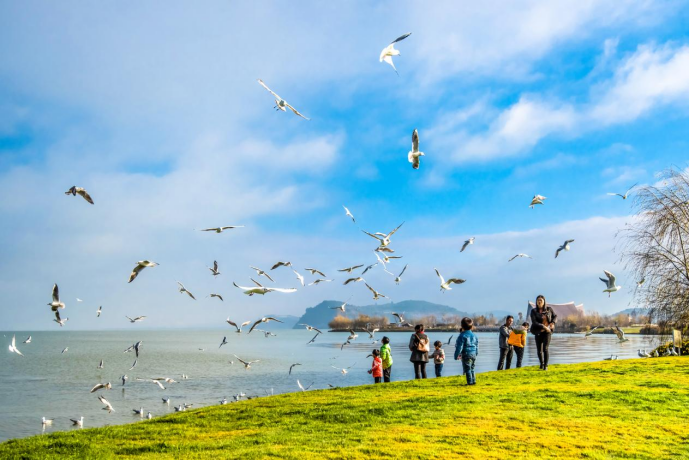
point(611, 409)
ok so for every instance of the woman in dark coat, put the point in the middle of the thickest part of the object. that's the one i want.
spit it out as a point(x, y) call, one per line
point(419, 346)
point(543, 323)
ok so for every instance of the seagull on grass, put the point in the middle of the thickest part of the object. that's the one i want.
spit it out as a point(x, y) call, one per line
point(610, 283)
point(625, 196)
point(390, 51)
point(281, 104)
point(142, 264)
point(445, 285)
point(74, 191)
point(414, 154)
point(564, 247)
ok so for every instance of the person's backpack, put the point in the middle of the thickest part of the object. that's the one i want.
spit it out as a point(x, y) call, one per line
point(422, 344)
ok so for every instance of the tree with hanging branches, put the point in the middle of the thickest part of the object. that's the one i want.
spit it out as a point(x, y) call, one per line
point(654, 249)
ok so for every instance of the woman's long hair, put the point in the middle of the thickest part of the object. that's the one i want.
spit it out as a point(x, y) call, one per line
point(536, 305)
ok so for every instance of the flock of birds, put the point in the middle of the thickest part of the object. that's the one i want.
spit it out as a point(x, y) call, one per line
point(384, 256)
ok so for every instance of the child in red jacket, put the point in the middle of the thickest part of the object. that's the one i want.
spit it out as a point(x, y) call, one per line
point(376, 367)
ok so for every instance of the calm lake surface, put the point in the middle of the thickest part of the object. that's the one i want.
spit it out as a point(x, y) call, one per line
point(46, 383)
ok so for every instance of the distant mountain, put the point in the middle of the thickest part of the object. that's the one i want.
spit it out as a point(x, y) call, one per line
point(320, 315)
point(631, 311)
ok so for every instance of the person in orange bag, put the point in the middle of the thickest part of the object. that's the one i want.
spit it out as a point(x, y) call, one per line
point(518, 339)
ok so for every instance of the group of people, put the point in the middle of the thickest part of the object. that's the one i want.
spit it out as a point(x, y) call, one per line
point(511, 340)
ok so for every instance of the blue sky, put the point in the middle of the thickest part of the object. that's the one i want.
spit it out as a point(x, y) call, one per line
point(154, 108)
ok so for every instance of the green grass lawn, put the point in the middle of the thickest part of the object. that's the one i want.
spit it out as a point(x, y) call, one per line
point(610, 409)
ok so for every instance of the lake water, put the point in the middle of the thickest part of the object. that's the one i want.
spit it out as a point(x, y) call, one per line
point(47, 383)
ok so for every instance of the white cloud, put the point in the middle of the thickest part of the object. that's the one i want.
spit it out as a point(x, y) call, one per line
point(650, 77)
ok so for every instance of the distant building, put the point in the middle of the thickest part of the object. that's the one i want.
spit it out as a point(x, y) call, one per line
point(562, 310)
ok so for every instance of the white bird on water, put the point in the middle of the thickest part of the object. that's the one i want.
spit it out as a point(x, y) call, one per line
point(142, 264)
point(139, 412)
point(445, 285)
point(537, 199)
point(414, 154)
point(624, 196)
point(610, 283)
point(13, 347)
point(281, 104)
point(79, 423)
point(47, 421)
point(261, 289)
point(389, 51)
point(467, 243)
point(348, 213)
point(564, 247)
point(221, 229)
point(74, 191)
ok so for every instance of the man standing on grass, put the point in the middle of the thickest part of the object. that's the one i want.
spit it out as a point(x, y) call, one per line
point(506, 350)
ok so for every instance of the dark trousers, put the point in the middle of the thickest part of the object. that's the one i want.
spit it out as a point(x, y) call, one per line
point(519, 353)
point(377, 379)
point(543, 339)
point(387, 374)
point(505, 356)
point(468, 368)
point(419, 369)
point(438, 368)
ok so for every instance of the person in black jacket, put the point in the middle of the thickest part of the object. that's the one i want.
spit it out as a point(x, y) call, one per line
point(419, 346)
point(543, 321)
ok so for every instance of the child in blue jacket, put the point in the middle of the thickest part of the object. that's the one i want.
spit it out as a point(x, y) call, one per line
point(467, 347)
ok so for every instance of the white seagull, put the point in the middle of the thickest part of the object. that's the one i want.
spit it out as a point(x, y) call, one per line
point(591, 331)
point(339, 307)
point(414, 154)
point(108, 406)
point(445, 285)
point(134, 320)
point(348, 213)
point(28, 340)
point(160, 385)
point(467, 243)
point(142, 264)
point(518, 255)
point(239, 328)
point(221, 229)
point(398, 278)
point(352, 280)
point(538, 199)
point(311, 328)
point(625, 196)
point(59, 320)
point(390, 51)
point(314, 271)
point(98, 312)
point(260, 272)
point(564, 247)
point(343, 371)
point(610, 283)
point(281, 264)
point(100, 365)
point(281, 104)
point(79, 423)
point(302, 388)
point(55, 304)
point(139, 412)
point(320, 280)
point(216, 295)
point(214, 270)
point(384, 239)
point(620, 334)
point(13, 347)
point(47, 421)
point(261, 290)
point(183, 289)
point(299, 277)
point(247, 364)
point(265, 319)
point(377, 295)
point(349, 269)
point(74, 191)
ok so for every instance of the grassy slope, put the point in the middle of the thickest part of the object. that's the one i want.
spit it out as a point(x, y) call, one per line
point(613, 409)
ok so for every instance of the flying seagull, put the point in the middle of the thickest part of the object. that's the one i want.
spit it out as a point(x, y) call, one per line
point(518, 255)
point(160, 385)
point(352, 280)
point(349, 269)
point(142, 264)
point(81, 192)
point(281, 104)
point(55, 304)
point(79, 300)
point(377, 295)
point(64, 350)
point(261, 290)
point(313, 338)
point(214, 270)
point(59, 320)
point(182, 289)
point(398, 278)
point(311, 328)
point(390, 51)
point(314, 271)
point(564, 247)
point(221, 229)
point(239, 328)
point(296, 364)
point(134, 348)
point(348, 213)
point(124, 379)
point(13, 347)
point(610, 283)
point(98, 313)
point(134, 320)
point(538, 199)
point(224, 342)
point(343, 370)
point(369, 267)
point(445, 285)
point(134, 364)
point(620, 334)
point(281, 264)
point(216, 295)
point(265, 319)
point(247, 364)
point(399, 316)
point(100, 365)
point(339, 307)
point(384, 240)
point(320, 280)
point(299, 277)
point(591, 331)
point(625, 196)
point(467, 243)
point(28, 340)
point(101, 386)
point(260, 272)
point(414, 154)
point(105, 402)
point(449, 339)
point(641, 282)
point(302, 387)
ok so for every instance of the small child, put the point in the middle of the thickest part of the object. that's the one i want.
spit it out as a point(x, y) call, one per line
point(387, 359)
point(439, 357)
point(467, 347)
point(376, 368)
point(518, 339)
